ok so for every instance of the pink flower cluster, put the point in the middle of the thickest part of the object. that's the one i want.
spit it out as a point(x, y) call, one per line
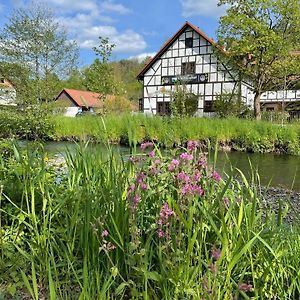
point(183, 177)
point(146, 145)
point(192, 145)
point(186, 156)
point(192, 190)
point(202, 162)
point(245, 287)
point(215, 253)
point(173, 165)
point(190, 185)
point(140, 180)
point(215, 176)
point(165, 213)
point(132, 191)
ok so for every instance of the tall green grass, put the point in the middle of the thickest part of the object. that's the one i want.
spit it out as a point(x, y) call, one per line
point(242, 135)
point(77, 233)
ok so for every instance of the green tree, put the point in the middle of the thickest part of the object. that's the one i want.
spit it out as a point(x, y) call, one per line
point(259, 37)
point(229, 104)
point(183, 103)
point(32, 41)
point(99, 76)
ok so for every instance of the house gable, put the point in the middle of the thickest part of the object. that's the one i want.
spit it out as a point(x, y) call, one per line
point(189, 49)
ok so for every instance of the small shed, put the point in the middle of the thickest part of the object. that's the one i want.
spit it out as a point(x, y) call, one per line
point(77, 101)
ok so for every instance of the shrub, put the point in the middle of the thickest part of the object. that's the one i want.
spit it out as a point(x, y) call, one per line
point(31, 123)
point(229, 105)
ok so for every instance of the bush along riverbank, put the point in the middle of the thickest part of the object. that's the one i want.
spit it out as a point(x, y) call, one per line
point(229, 134)
point(171, 228)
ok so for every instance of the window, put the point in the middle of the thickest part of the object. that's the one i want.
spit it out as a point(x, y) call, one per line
point(189, 42)
point(163, 108)
point(188, 68)
point(141, 104)
point(208, 106)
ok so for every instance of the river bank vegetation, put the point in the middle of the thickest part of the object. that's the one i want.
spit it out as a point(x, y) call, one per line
point(171, 228)
point(235, 134)
point(131, 129)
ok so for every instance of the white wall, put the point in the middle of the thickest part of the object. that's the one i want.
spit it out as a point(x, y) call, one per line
point(220, 78)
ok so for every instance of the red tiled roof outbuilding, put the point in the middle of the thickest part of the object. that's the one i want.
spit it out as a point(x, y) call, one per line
point(83, 98)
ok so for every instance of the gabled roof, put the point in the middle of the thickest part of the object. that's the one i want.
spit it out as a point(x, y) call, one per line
point(83, 98)
point(169, 43)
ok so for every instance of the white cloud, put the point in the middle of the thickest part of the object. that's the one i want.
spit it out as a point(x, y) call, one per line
point(110, 6)
point(74, 5)
point(86, 26)
point(126, 42)
point(86, 20)
point(207, 8)
point(142, 56)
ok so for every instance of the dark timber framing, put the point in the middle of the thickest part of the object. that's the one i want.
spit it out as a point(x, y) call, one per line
point(211, 77)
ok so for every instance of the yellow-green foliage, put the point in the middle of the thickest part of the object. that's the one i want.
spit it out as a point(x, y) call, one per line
point(244, 135)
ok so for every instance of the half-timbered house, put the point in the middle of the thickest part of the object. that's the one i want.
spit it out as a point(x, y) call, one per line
point(189, 57)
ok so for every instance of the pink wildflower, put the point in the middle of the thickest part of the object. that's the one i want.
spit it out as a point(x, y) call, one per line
point(226, 201)
point(245, 287)
point(130, 189)
point(173, 165)
point(192, 145)
point(161, 233)
point(183, 177)
point(186, 156)
point(104, 233)
point(215, 253)
point(216, 176)
point(144, 186)
point(140, 178)
point(202, 162)
point(165, 213)
point(146, 145)
point(192, 190)
point(196, 176)
point(157, 162)
point(151, 153)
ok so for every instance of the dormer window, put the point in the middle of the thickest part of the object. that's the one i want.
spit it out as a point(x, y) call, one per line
point(189, 42)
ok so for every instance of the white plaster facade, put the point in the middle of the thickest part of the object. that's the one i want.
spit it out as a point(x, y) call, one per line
point(208, 79)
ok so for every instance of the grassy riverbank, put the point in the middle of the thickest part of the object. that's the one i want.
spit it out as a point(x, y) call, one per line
point(171, 228)
point(236, 134)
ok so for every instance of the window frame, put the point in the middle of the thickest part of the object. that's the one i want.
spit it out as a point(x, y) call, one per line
point(188, 68)
point(189, 42)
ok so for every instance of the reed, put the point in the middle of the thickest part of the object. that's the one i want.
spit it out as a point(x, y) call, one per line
point(148, 227)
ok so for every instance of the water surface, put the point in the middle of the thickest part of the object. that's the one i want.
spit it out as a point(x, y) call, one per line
point(277, 170)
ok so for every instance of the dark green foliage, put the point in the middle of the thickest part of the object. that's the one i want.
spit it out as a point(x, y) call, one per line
point(229, 105)
point(184, 103)
point(260, 38)
point(30, 123)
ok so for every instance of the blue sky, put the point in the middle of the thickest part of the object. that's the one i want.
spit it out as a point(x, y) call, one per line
point(137, 27)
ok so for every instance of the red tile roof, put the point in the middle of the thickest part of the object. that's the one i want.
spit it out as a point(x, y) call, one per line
point(169, 43)
point(83, 98)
